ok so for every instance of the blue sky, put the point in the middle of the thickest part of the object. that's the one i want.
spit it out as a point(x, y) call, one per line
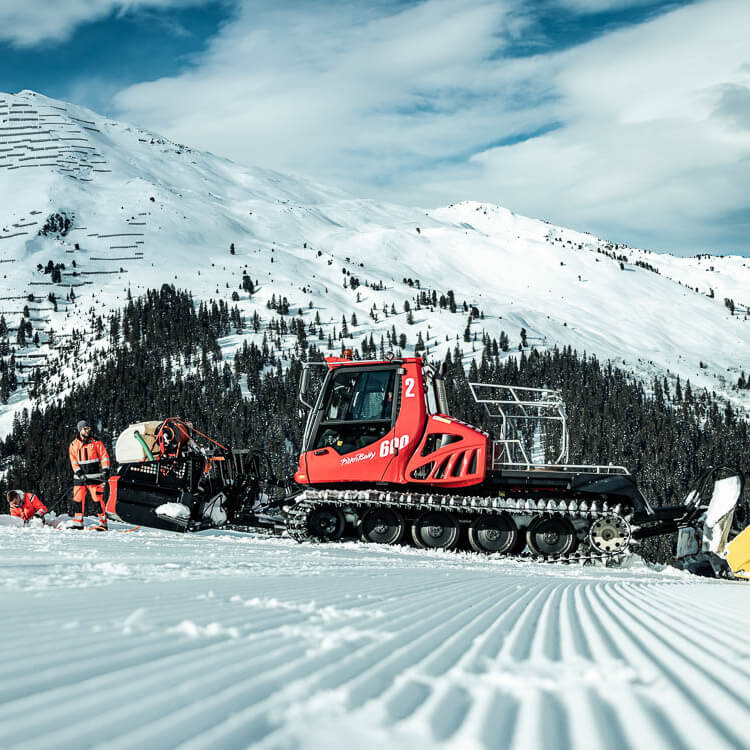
point(626, 118)
point(97, 58)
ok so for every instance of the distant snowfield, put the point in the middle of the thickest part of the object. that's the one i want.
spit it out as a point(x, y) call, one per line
point(223, 640)
point(147, 211)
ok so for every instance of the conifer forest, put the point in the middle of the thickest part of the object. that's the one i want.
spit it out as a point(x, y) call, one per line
point(164, 359)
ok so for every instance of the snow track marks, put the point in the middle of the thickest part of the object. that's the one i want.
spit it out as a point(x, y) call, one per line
point(232, 641)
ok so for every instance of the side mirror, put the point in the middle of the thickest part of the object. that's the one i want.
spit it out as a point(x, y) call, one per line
point(303, 387)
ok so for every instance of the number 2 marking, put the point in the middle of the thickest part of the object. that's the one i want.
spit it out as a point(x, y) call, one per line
point(409, 387)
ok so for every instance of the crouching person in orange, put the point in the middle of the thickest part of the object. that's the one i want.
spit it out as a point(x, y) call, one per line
point(25, 505)
point(90, 463)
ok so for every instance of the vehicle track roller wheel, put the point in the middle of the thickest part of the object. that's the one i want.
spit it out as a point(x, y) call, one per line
point(326, 523)
point(435, 530)
point(383, 526)
point(609, 534)
point(494, 534)
point(551, 536)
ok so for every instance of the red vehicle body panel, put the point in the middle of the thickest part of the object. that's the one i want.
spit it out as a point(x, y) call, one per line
point(412, 445)
point(450, 454)
point(111, 506)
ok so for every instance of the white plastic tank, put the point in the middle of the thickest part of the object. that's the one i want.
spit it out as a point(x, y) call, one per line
point(130, 449)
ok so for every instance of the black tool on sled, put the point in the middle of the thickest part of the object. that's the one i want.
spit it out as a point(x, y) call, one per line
point(171, 476)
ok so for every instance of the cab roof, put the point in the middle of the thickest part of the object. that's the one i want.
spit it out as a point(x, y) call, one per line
point(334, 362)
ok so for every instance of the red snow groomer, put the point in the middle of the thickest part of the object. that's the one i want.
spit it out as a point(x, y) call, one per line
point(382, 460)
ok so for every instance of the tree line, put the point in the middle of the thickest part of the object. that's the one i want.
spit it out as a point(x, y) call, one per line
point(165, 360)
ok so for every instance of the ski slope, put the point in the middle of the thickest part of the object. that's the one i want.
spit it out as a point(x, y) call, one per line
point(145, 211)
point(216, 640)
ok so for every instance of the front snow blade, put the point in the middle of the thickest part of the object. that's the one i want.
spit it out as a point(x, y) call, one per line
point(720, 512)
point(714, 500)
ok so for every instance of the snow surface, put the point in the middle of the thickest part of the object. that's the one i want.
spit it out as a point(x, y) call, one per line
point(148, 639)
point(149, 211)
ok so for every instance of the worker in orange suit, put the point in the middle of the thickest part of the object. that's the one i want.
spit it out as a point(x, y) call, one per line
point(90, 463)
point(25, 505)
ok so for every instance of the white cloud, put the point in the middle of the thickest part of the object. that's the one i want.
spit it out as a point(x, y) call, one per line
point(26, 23)
point(651, 143)
point(650, 140)
point(320, 87)
point(598, 6)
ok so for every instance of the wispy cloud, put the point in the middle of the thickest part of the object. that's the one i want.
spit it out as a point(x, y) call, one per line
point(640, 133)
point(655, 143)
point(598, 6)
point(26, 23)
point(339, 90)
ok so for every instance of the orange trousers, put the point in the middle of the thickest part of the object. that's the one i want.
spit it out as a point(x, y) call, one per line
point(79, 501)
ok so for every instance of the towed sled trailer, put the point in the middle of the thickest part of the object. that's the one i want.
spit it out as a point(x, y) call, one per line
point(383, 461)
point(171, 476)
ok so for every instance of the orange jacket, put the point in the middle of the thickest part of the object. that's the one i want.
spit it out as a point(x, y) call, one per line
point(29, 506)
point(90, 457)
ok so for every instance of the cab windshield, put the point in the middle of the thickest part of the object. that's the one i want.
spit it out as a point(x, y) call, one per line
point(358, 409)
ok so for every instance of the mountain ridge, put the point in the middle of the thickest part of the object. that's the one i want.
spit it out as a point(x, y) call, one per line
point(143, 211)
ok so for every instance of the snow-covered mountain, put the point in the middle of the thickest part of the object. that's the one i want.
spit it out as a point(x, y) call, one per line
point(227, 640)
point(137, 210)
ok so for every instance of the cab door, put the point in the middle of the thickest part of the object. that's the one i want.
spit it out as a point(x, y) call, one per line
point(409, 422)
point(355, 413)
